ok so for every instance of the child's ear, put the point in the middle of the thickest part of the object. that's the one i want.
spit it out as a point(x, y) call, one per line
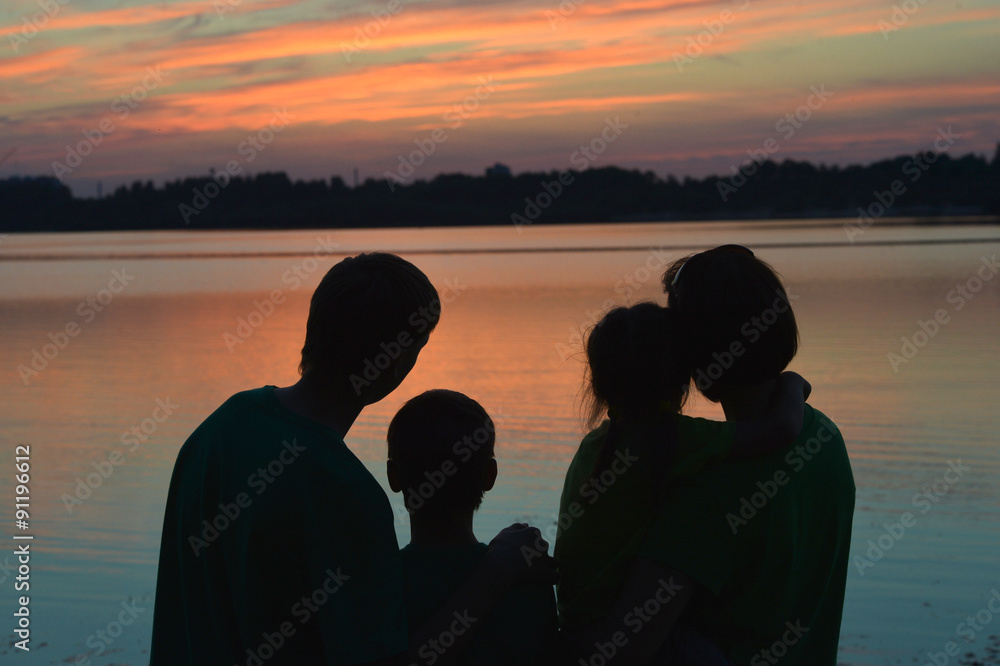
point(490, 475)
point(392, 472)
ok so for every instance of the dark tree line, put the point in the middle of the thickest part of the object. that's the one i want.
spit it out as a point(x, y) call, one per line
point(923, 184)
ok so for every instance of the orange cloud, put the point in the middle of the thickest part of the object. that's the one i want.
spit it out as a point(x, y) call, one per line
point(554, 67)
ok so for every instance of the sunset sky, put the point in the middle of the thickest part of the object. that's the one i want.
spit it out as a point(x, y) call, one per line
point(170, 89)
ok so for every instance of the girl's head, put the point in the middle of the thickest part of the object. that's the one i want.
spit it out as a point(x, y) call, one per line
point(636, 364)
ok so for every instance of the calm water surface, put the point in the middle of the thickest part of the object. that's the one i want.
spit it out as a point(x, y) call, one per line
point(516, 306)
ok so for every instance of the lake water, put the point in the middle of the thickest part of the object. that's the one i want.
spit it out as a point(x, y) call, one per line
point(515, 307)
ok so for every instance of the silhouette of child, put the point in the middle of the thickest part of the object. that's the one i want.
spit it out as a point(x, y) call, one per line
point(441, 459)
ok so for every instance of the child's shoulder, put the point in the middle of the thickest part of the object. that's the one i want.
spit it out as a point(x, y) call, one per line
point(446, 557)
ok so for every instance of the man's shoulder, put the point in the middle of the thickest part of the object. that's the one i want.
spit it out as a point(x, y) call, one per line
point(818, 424)
point(249, 432)
point(820, 451)
point(237, 414)
point(236, 407)
point(250, 400)
point(816, 460)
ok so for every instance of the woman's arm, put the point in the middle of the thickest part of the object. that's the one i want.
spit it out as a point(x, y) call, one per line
point(780, 426)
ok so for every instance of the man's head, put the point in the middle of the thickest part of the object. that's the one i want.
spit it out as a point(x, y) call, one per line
point(738, 321)
point(441, 453)
point(368, 319)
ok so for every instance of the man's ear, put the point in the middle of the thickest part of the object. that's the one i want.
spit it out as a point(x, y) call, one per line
point(490, 475)
point(392, 472)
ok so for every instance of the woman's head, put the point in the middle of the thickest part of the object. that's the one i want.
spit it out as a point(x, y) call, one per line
point(636, 362)
point(738, 323)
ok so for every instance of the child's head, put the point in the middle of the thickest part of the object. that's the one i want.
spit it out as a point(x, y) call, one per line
point(368, 318)
point(441, 453)
point(636, 362)
point(729, 299)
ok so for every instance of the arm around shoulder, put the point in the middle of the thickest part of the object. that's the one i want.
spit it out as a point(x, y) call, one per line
point(781, 425)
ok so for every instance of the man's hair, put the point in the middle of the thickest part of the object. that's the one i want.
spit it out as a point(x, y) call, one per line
point(441, 442)
point(362, 306)
point(738, 322)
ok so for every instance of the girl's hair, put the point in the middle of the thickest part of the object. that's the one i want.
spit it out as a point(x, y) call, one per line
point(635, 364)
